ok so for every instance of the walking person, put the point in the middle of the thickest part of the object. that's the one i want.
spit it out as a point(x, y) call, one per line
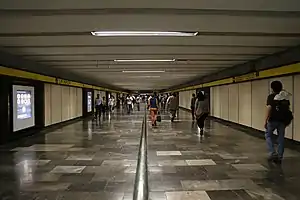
point(193, 101)
point(129, 103)
point(111, 104)
point(153, 107)
point(201, 110)
point(172, 106)
point(98, 106)
point(138, 102)
point(278, 117)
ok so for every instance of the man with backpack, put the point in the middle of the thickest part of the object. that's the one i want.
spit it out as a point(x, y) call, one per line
point(153, 107)
point(278, 117)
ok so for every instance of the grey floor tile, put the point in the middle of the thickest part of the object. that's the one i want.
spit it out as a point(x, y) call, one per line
point(187, 195)
point(211, 185)
point(254, 167)
point(200, 162)
point(168, 153)
point(72, 195)
point(221, 163)
point(94, 186)
point(105, 196)
point(68, 169)
point(41, 187)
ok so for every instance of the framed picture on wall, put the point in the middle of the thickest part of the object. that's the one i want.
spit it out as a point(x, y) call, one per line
point(89, 101)
point(23, 107)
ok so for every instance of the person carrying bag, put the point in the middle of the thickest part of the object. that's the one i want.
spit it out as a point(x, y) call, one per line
point(153, 107)
point(201, 111)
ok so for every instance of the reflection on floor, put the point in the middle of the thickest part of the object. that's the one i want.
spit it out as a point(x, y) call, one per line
point(97, 160)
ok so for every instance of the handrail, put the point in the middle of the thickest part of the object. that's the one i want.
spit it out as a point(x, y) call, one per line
point(141, 178)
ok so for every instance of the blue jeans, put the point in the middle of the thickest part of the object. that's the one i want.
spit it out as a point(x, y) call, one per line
point(271, 127)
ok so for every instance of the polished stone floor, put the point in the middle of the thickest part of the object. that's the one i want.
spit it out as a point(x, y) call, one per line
point(91, 160)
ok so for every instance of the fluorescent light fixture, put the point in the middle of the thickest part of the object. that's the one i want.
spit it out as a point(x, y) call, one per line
point(145, 77)
point(143, 33)
point(145, 60)
point(162, 71)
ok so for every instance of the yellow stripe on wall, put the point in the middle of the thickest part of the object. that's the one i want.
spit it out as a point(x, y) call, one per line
point(27, 75)
point(278, 71)
point(48, 79)
point(219, 82)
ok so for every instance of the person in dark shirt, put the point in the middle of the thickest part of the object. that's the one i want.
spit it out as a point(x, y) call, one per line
point(193, 100)
point(273, 122)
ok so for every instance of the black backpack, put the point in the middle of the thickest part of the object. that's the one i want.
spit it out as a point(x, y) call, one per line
point(282, 112)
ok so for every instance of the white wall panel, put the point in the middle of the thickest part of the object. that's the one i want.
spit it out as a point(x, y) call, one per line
point(56, 113)
point(73, 101)
point(224, 102)
point(288, 85)
point(245, 103)
point(79, 102)
point(260, 90)
point(212, 101)
point(217, 102)
point(233, 96)
point(296, 121)
point(65, 103)
point(185, 98)
point(62, 103)
point(47, 104)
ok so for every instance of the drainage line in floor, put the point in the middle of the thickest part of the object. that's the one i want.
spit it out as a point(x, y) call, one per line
point(141, 178)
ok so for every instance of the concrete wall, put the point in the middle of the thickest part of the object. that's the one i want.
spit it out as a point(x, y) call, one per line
point(245, 103)
point(62, 103)
point(185, 98)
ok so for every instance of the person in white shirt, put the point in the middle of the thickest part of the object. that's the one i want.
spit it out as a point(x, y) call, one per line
point(98, 106)
point(111, 104)
point(173, 106)
point(138, 102)
point(129, 103)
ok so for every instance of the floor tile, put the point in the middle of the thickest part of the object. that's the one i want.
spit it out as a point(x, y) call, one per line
point(172, 163)
point(211, 185)
point(88, 160)
point(80, 157)
point(254, 167)
point(168, 153)
point(200, 162)
point(33, 162)
point(68, 169)
point(40, 187)
point(187, 195)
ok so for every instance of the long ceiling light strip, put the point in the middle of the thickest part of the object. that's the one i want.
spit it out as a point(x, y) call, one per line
point(128, 71)
point(143, 33)
point(145, 60)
